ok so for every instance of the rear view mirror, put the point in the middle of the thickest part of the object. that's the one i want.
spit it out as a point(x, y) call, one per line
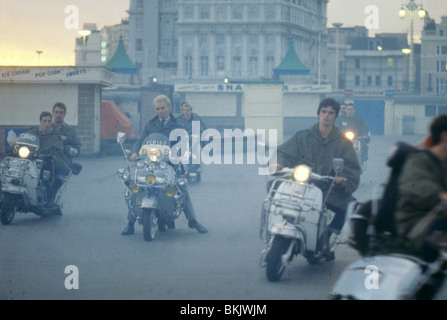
point(338, 164)
point(120, 137)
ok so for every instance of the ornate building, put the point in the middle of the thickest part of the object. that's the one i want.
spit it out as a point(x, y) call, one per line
point(208, 40)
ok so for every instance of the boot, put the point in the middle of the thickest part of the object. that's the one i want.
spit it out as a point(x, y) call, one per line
point(129, 229)
point(194, 224)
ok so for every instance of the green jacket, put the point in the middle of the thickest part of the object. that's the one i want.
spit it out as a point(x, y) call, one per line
point(309, 148)
point(70, 139)
point(51, 144)
point(420, 182)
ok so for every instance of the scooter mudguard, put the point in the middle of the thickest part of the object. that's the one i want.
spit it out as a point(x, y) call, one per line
point(284, 229)
point(383, 277)
point(150, 202)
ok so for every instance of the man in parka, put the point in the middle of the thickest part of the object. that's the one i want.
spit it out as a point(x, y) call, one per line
point(72, 144)
point(316, 147)
point(422, 186)
point(51, 144)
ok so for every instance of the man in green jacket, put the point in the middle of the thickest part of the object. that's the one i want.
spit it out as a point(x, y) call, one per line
point(52, 145)
point(422, 186)
point(316, 147)
point(72, 144)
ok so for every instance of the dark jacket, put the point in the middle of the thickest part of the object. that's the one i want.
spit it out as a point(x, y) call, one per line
point(187, 124)
point(51, 144)
point(155, 126)
point(69, 137)
point(355, 123)
point(421, 181)
point(309, 148)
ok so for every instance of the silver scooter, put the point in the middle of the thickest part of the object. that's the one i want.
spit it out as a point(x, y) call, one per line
point(294, 218)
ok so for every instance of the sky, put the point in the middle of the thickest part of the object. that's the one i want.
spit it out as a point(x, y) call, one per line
point(51, 26)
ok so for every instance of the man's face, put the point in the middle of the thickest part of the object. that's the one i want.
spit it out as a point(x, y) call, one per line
point(342, 109)
point(162, 108)
point(58, 114)
point(45, 123)
point(350, 110)
point(327, 116)
point(186, 111)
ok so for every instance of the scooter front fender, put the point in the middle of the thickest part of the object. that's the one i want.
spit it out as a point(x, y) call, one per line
point(150, 202)
point(383, 277)
point(286, 230)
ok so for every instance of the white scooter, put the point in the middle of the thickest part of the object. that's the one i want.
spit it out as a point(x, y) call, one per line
point(294, 218)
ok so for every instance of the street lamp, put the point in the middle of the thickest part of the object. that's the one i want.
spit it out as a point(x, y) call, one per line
point(84, 34)
point(337, 25)
point(39, 52)
point(412, 6)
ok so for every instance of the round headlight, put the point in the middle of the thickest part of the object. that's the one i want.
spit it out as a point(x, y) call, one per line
point(150, 179)
point(24, 152)
point(134, 188)
point(350, 135)
point(153, 154)
point(302, 173)
point(170, 191)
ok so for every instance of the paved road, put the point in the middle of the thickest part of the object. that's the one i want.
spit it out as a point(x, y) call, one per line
point(180, 264)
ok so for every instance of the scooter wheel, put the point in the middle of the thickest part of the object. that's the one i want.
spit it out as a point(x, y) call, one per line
point(275, 266)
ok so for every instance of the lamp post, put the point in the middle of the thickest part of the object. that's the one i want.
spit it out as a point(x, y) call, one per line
point(39, 52)
point(406, 51)
point(337, 25)
point(412, 6)
point(84, 34)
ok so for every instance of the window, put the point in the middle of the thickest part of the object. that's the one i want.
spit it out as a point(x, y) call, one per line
point(189, 13)
point(390, 62)
point(253, 66)
point(237, 39)
point(220, 63)
point(203, 39)
point(253, 13)
point(369, 81)
point(204, 13)
point(188, 65)
point(357, 63)
point(442, 50)
point(378, 81)
point(139, 45)
point(357, 81)
point(221, 15)
point(441, 66)
point(442, 110)
point(430, 111)
point(204, 65)
point(236, 66)
point(441, 88)
point(390, 81)
point(253, 39)
point(220, 38)
point(139, 4)
point(236, 13)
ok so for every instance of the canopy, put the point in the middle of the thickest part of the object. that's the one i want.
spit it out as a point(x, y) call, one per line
point(113, 120)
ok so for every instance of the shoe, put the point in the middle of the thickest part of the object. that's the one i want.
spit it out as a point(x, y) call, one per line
point(129, 229)
point(329, 256)
point(171, 225)
point(161, 227)
point(194, 224)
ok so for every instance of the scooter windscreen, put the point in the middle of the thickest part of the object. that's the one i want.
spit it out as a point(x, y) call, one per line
point(26, 145)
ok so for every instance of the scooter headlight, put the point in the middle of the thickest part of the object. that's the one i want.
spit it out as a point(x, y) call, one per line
point(24, 152)
point(350, 135)
point(302, 173)
point(154, 154)
point(150, 179)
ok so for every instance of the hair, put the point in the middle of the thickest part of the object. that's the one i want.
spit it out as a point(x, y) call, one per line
point(45, 114)
point(437, 127)
point(186, 104)
point(60, 105)
point(161, 98)
point(329, 102)
point(350, 104)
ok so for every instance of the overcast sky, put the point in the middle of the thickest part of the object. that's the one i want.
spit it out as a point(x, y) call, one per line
point(48, 25)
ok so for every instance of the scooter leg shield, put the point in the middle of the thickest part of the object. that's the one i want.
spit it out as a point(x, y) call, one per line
point(385, 277)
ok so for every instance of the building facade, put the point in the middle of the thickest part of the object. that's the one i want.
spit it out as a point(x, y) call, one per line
point(205, 41)
point(434, 58)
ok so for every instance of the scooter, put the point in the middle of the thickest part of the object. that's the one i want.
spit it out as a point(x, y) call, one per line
point(358, 147)
point(151, 186)
point(388, 269)
point(295, 218)
point(26, 180)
